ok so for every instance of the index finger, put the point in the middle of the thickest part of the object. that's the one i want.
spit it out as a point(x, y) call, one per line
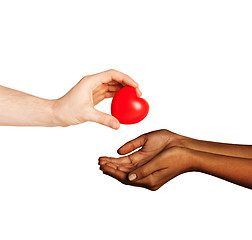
point(114, 75)
point(132, 145)
point(133, 160)
point(117, 161)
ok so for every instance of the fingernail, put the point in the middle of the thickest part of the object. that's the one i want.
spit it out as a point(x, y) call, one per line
point(139, 93)
point(114, 125)
point(132, 176)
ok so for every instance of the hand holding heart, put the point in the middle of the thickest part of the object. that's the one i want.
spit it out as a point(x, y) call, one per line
point(77, 106)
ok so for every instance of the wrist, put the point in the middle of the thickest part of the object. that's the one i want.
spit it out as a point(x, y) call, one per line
point(58, 114)
point(176, 140)
point(184, 142)
point(45, 114)
point(194, 160)
point(189, 159)
point(185, 158)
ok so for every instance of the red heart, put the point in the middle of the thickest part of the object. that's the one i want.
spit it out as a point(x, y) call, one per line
point(127, 107)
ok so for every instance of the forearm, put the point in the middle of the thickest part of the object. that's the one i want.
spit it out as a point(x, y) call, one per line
point(21, 109)
point(233, 169)
point(235, 150)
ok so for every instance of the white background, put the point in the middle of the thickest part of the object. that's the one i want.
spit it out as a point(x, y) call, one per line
point(193, 62)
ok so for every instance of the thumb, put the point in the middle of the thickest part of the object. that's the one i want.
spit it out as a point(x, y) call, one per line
point(143, 171)
point(104, 119)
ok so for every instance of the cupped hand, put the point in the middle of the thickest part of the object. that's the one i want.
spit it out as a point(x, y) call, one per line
point(155, 173)
point(77, 106)
point(150, 145)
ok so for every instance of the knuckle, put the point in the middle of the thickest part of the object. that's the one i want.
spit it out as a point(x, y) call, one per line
point(154, 188)
point(131, 159)
point(142, 172)
point(163, 130)
point(145, 138)
point(132, 145)
point(152, 182)
point(112, 70)
point(86, 77)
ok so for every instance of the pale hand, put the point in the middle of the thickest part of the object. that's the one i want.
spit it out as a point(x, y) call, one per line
point(77, 106)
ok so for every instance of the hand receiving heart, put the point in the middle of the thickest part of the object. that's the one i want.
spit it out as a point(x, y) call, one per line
point(127, 107)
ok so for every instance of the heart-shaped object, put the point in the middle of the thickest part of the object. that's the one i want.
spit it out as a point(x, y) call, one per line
point(127, 107)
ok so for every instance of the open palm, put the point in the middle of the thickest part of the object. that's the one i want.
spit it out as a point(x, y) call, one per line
point(150, 145)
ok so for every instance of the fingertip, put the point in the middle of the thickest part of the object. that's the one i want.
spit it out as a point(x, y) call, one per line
point(132, 176)
point(118, 126)
point(139, 93)
point(101, 162)
point(102, 159)
point(114, 123)
point(119, 151)
point(122, 150)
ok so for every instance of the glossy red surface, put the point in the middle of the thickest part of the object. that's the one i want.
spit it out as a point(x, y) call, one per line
point(127, 107)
